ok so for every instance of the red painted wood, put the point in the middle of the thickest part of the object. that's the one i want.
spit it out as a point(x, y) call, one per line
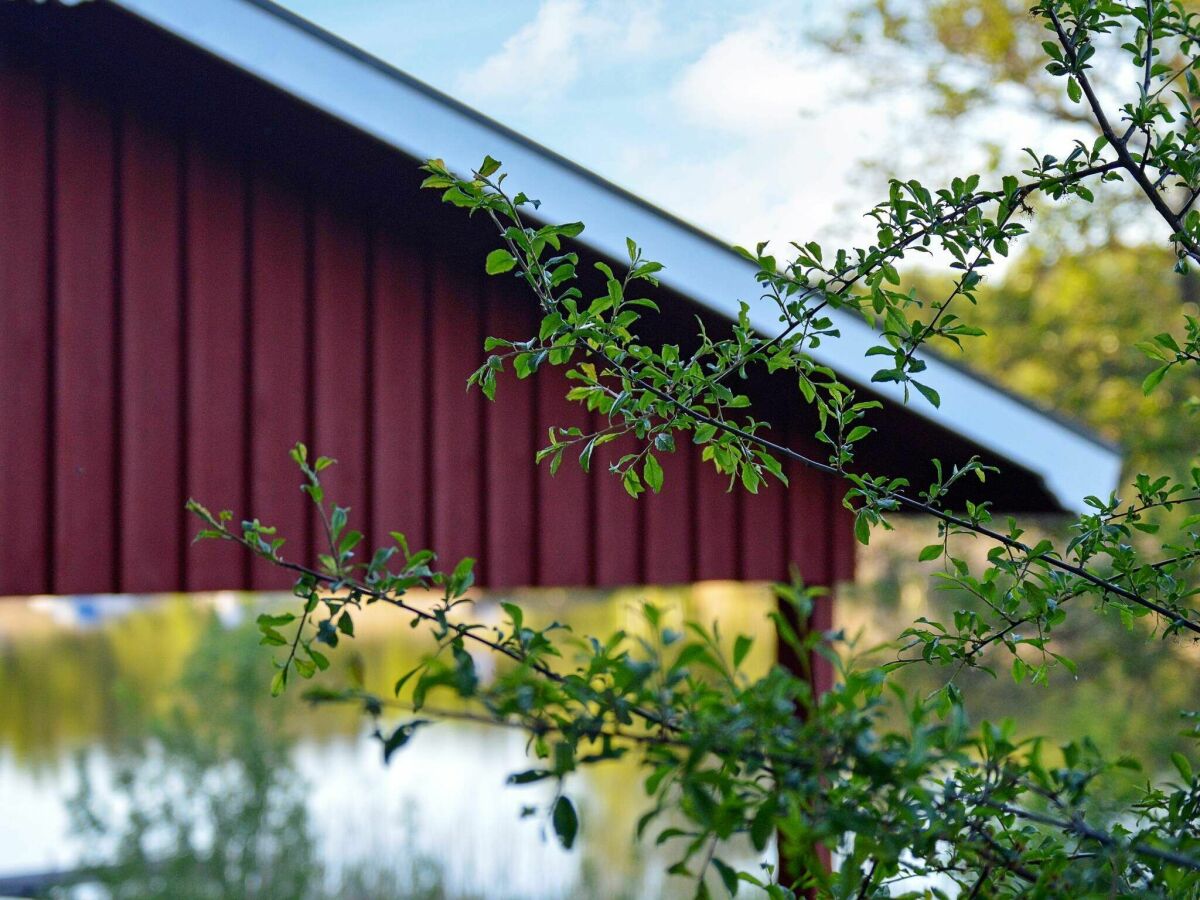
point(565, 525)
point(216, 288)
point(842, 559)
point(340, 358)
point(619, 519)
point(24, 332)
point(457, 485)
point(278, 390)
point(764, 545)
point(670, 544)
point(809, 523)
point(717, 524)
point(811, 538)
point(510, 447)
point(844, 544)
point(400, 416)
point(298, 321)
point(151, 486)
point(85, 491)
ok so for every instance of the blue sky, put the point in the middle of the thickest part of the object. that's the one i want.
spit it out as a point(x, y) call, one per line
point(722, 113)
point(726, 114)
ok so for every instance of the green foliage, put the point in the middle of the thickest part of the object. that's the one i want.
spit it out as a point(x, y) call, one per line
point(1067, 329)
point(730, 756)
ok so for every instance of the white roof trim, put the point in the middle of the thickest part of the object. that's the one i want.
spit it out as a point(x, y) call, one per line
point(274, 46)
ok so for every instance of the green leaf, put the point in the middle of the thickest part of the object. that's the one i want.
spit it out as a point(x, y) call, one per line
point(728, 875)
point(862, 530)
point(401, 736)
point(1152, 380)
point(456, 197)
point(750, 479)
point(631, 481)
point(463, 576)
point(500, 261)
point(489, 166)
point(566, 822)
point(741, 646)
point(529, 776)
point(403, 679)
point(1166, 340)
point(1184, 767)
point(1019, 669)
point(268, 620)
point(928, 393)
point(652, 472)
point(858, 433)
point(279, 682)
point(1074, 91)
point(321, 660)
point(762, 826)
point(932, 551)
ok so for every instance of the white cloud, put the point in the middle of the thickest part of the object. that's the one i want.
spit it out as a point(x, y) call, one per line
point(546, 55)
point(787, 131)
point(752, 78)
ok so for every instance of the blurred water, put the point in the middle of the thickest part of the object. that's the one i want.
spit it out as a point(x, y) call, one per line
point(151, 715)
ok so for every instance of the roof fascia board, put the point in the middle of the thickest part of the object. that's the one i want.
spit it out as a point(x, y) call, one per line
point(420, 123)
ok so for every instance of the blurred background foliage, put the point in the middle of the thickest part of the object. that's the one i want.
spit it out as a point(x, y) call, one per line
point(1064, 312)
point(1062, 316)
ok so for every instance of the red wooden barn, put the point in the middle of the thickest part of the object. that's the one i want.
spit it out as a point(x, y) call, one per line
point(212, 245)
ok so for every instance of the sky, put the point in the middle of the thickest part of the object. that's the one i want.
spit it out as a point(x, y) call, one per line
point(724, 114)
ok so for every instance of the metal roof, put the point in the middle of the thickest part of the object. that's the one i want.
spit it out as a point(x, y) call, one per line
point(290, 53)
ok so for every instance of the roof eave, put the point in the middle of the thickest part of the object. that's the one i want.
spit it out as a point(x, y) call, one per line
point(280, 48)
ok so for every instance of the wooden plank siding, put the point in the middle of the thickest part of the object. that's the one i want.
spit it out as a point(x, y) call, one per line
point(84, 248)
point(26, 328)
point(216, 290)
point(178, 308)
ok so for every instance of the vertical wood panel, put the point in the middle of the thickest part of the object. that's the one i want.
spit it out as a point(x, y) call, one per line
point(400, 420)
point(670, 519)
point(85, 386)
point(457, 485)
point(565, 543)
point(809, 522)
point(511, 422)
point(618, 519)
point(406, 432)
point(151, 490)
point(216, 363)
point(279, 386)
point(339, 362)
point(810, 539)
point(763, 538)
point(844, 544)
point(25, 562)
point(841, 561)
point(717, 524)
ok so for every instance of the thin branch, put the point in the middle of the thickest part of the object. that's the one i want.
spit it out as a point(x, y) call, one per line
point(918, 506)
point(1119, 144)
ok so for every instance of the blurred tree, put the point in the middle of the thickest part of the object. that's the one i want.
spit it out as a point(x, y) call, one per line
point(973, 52)
point(1062, 327)
point(1087, 285)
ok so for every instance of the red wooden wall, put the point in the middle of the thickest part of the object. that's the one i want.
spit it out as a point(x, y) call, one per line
point(177, 309)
